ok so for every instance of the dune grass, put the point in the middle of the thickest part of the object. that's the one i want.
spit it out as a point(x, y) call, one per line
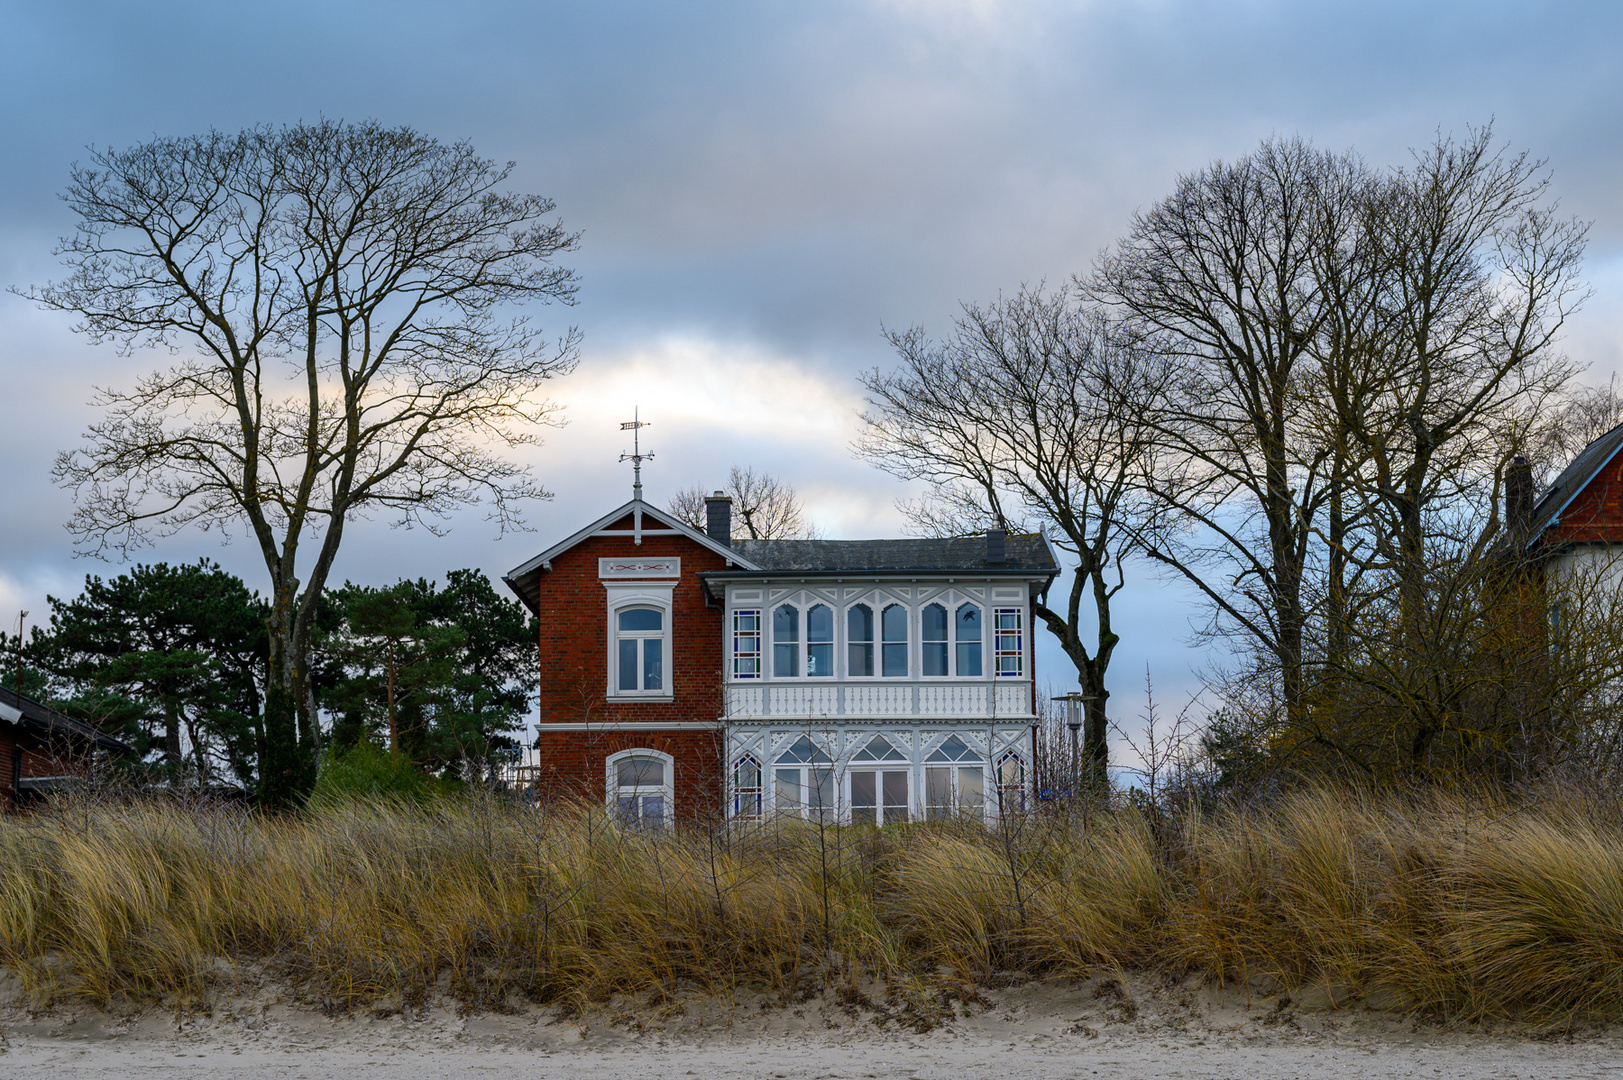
point(1450, 904)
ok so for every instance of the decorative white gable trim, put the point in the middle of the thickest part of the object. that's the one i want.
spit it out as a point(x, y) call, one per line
point(634, 507)
point(639, 568)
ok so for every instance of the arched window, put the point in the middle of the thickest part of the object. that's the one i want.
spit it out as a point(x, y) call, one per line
point(933, 639)
point(859, 640)
point(803, 780)
point(639, 650)
point(786, 642)
point(954, 782)
point(967, 636)
point(820, 641)
point(893, 650)
point(879, 784)
point(639, 786)
point(747, 787)
point(1011, 784)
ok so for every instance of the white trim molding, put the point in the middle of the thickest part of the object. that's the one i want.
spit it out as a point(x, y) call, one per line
point(639, 568)
point(599, 726)
point(651, 594)
point(665, 791)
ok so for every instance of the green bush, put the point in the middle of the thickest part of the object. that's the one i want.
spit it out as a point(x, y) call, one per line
point(367, 771)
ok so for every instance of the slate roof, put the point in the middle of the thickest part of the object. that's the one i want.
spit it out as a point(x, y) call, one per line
point(1029, 553)
point(1573, 479)
point(50, 723)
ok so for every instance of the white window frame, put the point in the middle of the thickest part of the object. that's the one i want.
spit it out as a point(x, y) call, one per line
point(760, 654)
point(739, 794)
point(951, 603)
point(805, 782)
point(842, 632)
point(952, 633)
point(802, 606)
point(667, 790)
point(954, 768)
point(877, 769)
point(998, 654)
point(999, 790)
point(833, 643)
point(651, 594)
point(947, 609)
point(911, 641)
point(799, 643)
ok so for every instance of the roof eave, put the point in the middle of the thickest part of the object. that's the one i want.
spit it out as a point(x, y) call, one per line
point(524, 578)
point(1017, 573)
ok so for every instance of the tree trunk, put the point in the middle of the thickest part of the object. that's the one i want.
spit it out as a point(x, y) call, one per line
point(287, 768)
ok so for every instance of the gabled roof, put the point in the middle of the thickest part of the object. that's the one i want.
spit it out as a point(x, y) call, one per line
point(50, 723)
point(1573, 479)
point(526, 577)
point(1027, 555)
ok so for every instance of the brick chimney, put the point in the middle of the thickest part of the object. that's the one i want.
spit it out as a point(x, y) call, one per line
point(1519, 497)
point(718, 518)
point(996, 551)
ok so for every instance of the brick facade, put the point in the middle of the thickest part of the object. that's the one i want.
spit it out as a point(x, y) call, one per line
point(1595, 515)
point(574, 648)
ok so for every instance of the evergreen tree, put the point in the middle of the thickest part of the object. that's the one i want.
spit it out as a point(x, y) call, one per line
point(171, 658)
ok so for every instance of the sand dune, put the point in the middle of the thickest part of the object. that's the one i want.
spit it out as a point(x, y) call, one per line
point(1102, 1028)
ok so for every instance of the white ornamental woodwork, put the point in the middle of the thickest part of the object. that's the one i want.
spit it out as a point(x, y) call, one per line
point(804, 700)
point(1014, 699)
point(638, 569)
point(953, 700)
point(878, 700)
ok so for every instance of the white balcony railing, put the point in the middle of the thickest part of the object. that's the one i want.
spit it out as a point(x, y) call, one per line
point(978, 700)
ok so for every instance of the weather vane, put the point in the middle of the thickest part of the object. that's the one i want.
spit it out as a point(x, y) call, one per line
point(636, 457)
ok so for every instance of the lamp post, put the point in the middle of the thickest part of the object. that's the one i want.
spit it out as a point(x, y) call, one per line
point(1073, 720)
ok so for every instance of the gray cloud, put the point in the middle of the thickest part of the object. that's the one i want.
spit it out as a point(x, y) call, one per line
point(766, 184)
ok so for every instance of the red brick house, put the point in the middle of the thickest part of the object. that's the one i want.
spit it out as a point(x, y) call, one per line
point(1579, 518)
point(689, 676)
point(41, 750)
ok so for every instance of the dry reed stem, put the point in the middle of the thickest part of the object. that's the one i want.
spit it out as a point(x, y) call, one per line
point(1454, 904)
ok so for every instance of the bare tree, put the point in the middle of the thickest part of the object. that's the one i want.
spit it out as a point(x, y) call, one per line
point(1030, 411)
point(1359, 355)
point(1473, 280)
point(765, 507)
point(342, 299)
point(1219, 278)
point(1585, 414)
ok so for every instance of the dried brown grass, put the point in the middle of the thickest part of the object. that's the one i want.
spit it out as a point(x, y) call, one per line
point(1458, 905)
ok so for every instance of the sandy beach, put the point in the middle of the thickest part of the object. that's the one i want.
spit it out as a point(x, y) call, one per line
point(1035, 1032)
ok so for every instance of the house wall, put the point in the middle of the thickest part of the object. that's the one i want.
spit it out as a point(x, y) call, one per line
point(575, 639)
point(36, 759)
point(1595, 515)
point(1594, 566)
point(572, 767)
point(981, 697)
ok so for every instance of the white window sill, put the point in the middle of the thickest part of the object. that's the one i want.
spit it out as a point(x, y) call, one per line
point(623, 698)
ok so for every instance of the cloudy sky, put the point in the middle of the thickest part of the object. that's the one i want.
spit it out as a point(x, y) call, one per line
point(762, 187)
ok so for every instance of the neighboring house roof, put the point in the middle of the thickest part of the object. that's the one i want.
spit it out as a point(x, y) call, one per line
point(1572, 481)
point(1028, 555)
point(50, 723)
point(526, 577)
